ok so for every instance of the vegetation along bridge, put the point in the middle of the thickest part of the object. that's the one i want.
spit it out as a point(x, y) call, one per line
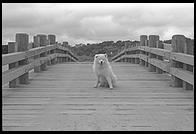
point(155, 89)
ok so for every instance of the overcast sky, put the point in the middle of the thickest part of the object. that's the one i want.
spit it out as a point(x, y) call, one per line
point(97, 22)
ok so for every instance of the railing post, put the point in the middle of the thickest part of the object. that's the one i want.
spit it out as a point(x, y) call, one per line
point(12, 49)
point(143, 39)
point(36, 44)
point(51, 41)
point(65, 59)
point(49, 61)
point(22, 41)
point(146, 53)
point(152, 43)
point(53, 60)
point(137, 52)
point(43, 42)
point(188, 49)
point(159, 44)
point(56, 59)
point(178, 43)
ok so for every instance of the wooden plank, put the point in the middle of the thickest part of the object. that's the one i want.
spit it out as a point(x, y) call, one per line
point(63, 98)
point(182, 57)
point(143, 57)
point(118, 54)
point(39, 50)
point(160, 52)
point(12, 49)
point(65, 55)
point(14, 57)
point(167, 46)
point(157, 51)
point(132, 48)
point(183, 74)
point(16, 72)
point(165, 66)
point(144, 48)
point(128, 56)
point(66, 49)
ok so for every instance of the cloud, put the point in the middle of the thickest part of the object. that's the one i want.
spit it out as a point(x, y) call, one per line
point(88, 22)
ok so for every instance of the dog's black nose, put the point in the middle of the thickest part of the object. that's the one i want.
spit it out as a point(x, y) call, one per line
point(101, 62)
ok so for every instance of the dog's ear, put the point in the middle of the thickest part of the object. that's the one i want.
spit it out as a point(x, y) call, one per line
point(106, 55)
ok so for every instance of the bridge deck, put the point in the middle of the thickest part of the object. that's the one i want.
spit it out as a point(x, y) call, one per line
point(63, 98)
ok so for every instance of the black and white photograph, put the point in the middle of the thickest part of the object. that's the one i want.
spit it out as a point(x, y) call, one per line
point(97, 66)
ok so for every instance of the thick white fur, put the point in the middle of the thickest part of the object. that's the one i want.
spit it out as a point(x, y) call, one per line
point(104, 73)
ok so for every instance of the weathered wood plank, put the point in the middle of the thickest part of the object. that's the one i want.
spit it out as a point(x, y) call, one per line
point(183, 74)
point(12, 57)
point(66, 55)
point(160, 52)
point(163, 65)
point(16, 72)
point(17, 56)
point(143, 57)
point(63, 98)
point(66, 49)
point(128, 56)
point(184, 58)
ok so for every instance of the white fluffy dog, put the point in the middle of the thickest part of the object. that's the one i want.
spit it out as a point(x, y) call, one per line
point(103, 71)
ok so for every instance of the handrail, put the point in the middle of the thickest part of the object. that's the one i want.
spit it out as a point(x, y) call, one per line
point(179, 65)
point(32, 61)
point(181, 57)
point(17, 56)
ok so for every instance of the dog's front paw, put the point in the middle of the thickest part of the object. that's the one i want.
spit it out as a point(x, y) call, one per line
point(111, 88)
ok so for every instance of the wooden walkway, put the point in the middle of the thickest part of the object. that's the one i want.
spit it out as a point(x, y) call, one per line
point(63, 98)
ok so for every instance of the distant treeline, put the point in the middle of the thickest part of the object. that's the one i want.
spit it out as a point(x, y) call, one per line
point(167, 41)
point(86, 52)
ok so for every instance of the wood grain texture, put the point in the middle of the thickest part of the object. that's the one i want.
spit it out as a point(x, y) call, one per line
point(63, 98)
point(184, 58)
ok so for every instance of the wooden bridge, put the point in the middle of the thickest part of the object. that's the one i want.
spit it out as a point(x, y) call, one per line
point(151, 93)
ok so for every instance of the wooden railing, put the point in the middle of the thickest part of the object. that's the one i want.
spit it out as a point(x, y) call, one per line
point(178, 62)
point(20, 63)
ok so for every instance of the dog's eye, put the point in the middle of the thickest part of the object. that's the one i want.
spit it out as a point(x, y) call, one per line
point(96, 56)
